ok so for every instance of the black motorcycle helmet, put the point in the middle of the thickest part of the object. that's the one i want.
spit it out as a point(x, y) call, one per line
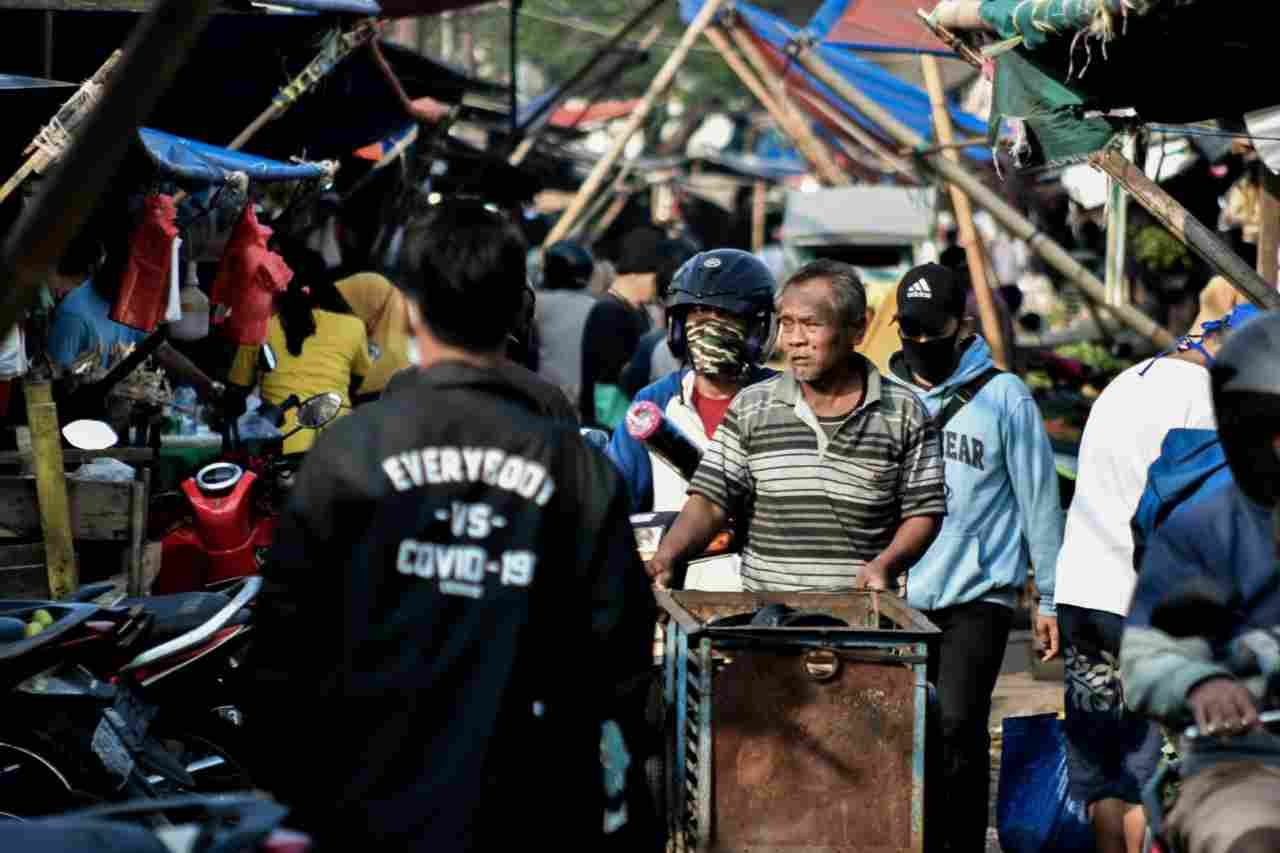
point(1246, 400)
point(729, 279)
point(566, 266)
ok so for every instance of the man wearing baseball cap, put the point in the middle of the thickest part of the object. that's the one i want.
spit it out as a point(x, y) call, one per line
point(1003, 512)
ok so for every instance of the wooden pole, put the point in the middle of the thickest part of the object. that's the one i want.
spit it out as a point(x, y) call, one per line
point(656, 88)
point(851, 129)
point(790, 123)
point(969, 238)
point(1269, 222)
point(759, 193)
point(1188, 229)
point(1117, 235)
point(795, 123)
point(65, 122)
point(982, 196)
point(51, 489)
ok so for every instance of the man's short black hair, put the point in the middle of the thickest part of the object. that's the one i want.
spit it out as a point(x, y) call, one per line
point(465, 266)
point(638, 252)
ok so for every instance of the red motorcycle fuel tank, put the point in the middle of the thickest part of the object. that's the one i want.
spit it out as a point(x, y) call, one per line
point(219, 495)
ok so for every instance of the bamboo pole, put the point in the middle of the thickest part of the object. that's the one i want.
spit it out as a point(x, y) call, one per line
point(656, 88)
point(1117, 234)
point(65, 121)
point(851, 129)
point(973, 252)
point(788, 120)
point(1269, 222)
point(1188, 229)
point(335, 49)
point(759, 191)
point(51, 489)
point(982, 196)
point(536, 122)
point(794, 122)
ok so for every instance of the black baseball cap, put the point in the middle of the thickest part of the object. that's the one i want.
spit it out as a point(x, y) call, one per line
point(928, 296)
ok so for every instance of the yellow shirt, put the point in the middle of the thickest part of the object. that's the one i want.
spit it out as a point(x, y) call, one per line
point(337, 352)
point(381, 306)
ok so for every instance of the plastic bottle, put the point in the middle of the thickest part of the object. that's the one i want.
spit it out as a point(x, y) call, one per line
point(194, 324)
point(184, 405)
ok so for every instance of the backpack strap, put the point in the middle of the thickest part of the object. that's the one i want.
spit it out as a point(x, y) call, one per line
point(963, 395)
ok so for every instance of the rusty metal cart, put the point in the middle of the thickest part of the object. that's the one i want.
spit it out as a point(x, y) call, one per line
point(796, 738)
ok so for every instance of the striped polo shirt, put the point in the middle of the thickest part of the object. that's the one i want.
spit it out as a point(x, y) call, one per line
point(817, 509)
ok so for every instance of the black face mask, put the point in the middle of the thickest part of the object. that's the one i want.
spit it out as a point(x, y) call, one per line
point(933, 361)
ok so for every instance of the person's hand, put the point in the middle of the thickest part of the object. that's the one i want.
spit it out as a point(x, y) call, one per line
point(661, 571)
point(1222, 706)
point(872, 576)
point(1047, 636)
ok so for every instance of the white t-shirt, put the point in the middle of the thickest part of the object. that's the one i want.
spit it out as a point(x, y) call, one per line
point(1122, 437)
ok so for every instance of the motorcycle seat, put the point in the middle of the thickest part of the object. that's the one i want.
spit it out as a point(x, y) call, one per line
point(174, 615)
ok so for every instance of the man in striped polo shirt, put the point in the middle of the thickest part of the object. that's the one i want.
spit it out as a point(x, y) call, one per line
point(835, 475)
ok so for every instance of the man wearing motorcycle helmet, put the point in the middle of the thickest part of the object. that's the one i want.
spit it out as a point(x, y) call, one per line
point(720, 321)
point(1201, 640)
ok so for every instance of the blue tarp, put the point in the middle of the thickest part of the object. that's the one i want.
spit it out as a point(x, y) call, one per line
point(189, 160)
point(907, 103)
point(16, 82)
point(354, 7)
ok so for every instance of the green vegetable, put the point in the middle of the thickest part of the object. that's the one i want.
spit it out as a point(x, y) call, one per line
point(44, 617)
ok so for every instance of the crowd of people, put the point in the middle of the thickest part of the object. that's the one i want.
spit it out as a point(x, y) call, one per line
point(453, 539)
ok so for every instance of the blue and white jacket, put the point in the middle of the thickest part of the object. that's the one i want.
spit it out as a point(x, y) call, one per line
point(1003, 507)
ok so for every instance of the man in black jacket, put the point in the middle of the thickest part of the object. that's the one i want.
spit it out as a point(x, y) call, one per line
point(454, 603)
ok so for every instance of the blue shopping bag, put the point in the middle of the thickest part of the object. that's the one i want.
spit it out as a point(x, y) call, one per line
point(1034, 811)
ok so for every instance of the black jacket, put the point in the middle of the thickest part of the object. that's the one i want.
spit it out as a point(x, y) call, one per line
point(453, 604)
point(550, 400)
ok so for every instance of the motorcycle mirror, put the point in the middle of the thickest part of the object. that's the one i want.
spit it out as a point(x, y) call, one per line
point(319, 410)
point(90, 435)
point(267, 359)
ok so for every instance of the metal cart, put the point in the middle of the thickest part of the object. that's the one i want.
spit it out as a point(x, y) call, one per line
point(796, 738)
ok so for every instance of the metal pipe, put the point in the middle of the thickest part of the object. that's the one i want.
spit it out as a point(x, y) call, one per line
point(153, 55)
point(1188, 229)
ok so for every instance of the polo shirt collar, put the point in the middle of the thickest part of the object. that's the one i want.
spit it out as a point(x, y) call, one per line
point(787, 390)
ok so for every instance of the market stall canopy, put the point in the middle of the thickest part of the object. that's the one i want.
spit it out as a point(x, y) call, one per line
point(237, 68)
point(909, 104)
point(876, 25)
point(198, 162)
point(1170, 61)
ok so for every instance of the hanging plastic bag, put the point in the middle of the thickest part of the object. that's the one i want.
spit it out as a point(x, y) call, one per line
point(144, 284)
point(249, 277)
point(1034, 811)
point(13, 354)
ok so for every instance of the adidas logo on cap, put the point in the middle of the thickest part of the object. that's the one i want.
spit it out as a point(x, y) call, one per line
point(919, 290)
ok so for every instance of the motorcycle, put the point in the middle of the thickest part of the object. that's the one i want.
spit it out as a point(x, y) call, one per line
point(218, 528)
point(230, 824)
point(96, 707)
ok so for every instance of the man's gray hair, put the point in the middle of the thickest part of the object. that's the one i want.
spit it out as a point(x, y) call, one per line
point(848, 296)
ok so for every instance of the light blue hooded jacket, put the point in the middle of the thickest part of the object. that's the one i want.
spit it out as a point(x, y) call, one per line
point(1003, 507)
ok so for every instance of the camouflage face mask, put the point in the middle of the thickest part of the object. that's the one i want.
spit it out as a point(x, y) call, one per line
point(718, 346)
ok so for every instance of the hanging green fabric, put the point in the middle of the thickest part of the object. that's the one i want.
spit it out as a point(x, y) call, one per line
point(1058, 130)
